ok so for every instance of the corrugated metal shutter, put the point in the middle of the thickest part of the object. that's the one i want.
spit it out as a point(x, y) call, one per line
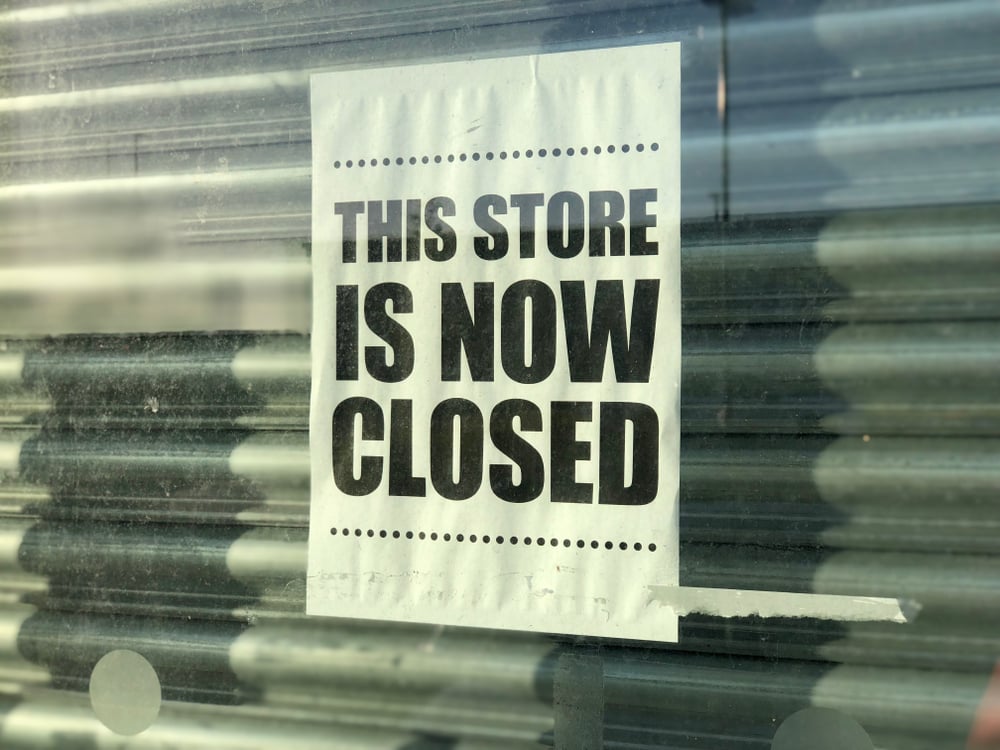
point(841, 404)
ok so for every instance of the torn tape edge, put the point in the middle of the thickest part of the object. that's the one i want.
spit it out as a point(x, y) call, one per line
point(685, 600)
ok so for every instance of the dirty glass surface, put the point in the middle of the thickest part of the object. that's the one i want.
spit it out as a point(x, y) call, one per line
point(840, 389)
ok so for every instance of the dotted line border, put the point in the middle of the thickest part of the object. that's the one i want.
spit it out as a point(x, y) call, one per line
point(541, 153)
point(526, 541)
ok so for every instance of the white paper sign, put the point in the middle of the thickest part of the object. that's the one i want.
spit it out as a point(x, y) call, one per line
point(496, 342)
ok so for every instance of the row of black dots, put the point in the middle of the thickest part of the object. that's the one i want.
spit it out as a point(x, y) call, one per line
point(491, 156)
point(527, 541)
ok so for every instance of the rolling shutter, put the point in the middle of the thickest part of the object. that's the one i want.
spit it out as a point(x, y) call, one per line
point(840, 395)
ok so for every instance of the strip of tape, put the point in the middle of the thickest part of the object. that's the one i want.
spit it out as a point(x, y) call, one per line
point(746, 603)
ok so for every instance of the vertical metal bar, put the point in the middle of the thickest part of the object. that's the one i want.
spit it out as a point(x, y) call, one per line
point(578, 701)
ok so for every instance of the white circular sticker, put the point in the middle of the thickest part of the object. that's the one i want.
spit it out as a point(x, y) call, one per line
point(820, 729)
point(125, 692)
